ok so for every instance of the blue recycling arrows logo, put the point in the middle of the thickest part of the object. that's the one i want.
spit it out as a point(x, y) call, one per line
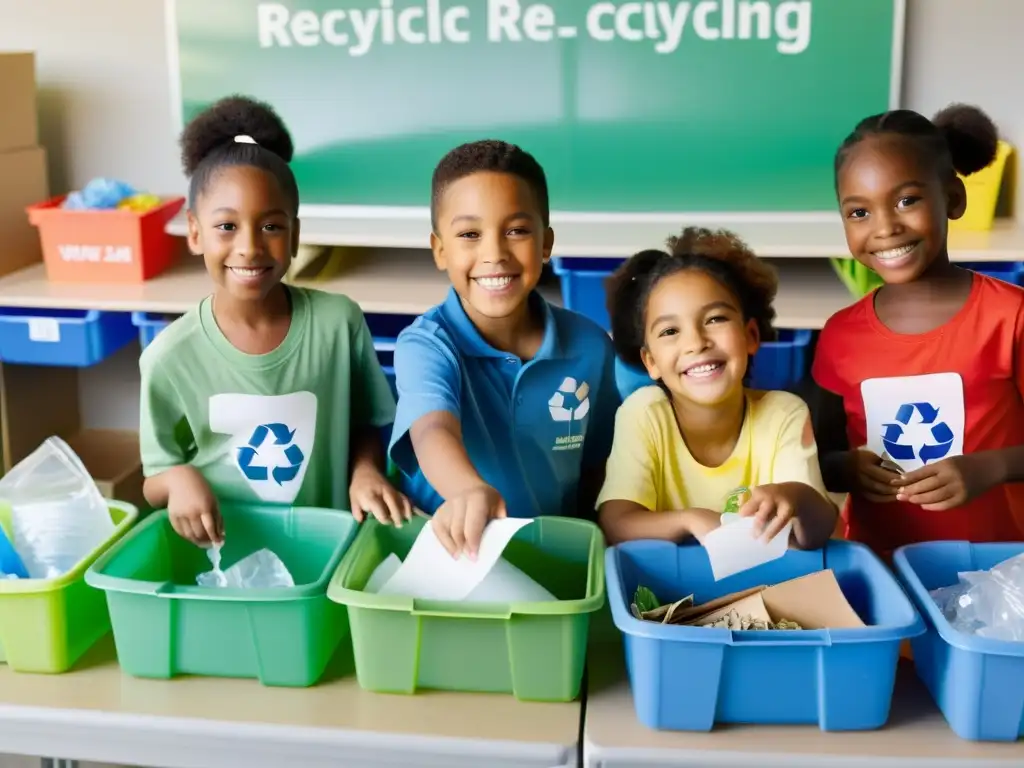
point(941, 435)
point(248, 455)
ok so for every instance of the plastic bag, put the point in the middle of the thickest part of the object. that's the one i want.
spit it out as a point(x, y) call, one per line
point(987, 603)
point(260, 570)
point(58, 515)
point(98, 194)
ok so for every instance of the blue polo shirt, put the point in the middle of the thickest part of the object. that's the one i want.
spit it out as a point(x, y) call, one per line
point(530, 428)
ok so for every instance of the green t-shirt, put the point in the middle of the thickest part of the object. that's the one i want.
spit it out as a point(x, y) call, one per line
point(273, 428)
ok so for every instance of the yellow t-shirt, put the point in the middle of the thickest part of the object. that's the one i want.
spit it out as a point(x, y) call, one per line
point(651, 465)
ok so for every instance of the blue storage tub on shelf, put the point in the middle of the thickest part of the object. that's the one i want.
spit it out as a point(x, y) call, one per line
point(1010, 271)
point(583, 286)
point(779, 364)
point(689, 678)
point(150, 324)
point(977, 682)
point(75, 338)
point(385, 329)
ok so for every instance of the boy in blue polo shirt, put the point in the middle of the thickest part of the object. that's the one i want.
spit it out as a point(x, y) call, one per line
point(506, 404)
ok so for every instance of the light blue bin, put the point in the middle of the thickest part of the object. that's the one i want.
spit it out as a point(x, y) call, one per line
point(977, 682)
point(689, 678)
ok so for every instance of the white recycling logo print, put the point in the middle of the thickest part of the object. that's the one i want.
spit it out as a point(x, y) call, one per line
point(571, 402)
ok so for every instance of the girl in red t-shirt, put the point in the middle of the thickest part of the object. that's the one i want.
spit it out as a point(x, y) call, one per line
point(920, 414)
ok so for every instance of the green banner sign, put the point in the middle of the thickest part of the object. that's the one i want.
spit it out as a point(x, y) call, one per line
point(631, 107)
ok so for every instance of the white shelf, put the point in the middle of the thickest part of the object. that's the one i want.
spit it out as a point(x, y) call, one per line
point(399, 281)
point(381, 281)
point(812, 237)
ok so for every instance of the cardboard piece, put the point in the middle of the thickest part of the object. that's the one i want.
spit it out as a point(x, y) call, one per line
point(22, 182)
point(814, 601)
point(19, 128)
point(39, 401)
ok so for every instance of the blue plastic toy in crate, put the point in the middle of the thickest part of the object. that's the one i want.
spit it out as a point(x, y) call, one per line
point(977, 682)
point(75, 338)
point(689, 678)
point(778, 364)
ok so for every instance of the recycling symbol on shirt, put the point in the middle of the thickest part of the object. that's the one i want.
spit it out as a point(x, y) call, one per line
point(901, 445)
point(571, 401)
point(275, 435)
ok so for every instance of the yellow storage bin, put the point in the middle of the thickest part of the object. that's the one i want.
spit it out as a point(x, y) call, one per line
point(983, 193)
point(47, 624)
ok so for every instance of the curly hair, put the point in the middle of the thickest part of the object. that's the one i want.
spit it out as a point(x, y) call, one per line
point(720, 254)
point(211, 142)
point(959, 139)
point(489, 155)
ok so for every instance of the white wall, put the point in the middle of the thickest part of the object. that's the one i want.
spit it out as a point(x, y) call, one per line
point(105, 106)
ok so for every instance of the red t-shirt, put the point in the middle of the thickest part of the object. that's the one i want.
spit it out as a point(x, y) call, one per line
point(909, 388)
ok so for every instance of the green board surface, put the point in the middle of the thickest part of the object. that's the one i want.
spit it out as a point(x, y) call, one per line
point(719, 105)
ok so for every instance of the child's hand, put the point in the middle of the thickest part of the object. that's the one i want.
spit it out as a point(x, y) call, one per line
point(871, 479)
point(371, 492)
point(772, 507)
point(459, 523)
point(192, 507)
point(948, 483)
point(700, 522)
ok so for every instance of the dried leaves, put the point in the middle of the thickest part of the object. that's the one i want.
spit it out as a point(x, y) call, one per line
point(680, 612)
point(734, 621)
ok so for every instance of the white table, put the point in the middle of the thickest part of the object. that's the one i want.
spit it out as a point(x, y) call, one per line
point(916, 737)
point(100, 714)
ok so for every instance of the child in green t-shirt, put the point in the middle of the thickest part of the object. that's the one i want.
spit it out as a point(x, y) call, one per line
point(265, 392)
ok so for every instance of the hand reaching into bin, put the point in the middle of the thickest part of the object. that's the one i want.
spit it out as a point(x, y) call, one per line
point(191, 505)
point(459, 523)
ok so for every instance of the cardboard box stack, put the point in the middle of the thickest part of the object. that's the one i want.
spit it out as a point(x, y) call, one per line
point(37, 401)
point(23, 178)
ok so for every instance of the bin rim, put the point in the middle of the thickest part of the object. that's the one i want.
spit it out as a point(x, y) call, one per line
point(40, 586)
point(95, 576)
point(637, 628)
point(356, 598)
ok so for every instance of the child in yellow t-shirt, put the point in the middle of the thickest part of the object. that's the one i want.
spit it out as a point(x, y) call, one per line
point(694, 317)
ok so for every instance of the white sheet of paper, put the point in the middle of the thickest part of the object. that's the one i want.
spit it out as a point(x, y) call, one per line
point(915, 419)
point(507, 584)
point(732, 547)
point(382, 573)
point(430, 573)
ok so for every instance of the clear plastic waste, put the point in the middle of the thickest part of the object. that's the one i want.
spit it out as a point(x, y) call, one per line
point(58, 515)
point(260, 570)
point(987, 603)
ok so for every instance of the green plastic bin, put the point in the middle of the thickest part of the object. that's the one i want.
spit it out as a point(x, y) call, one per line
point(47, 624)
point(532, 650)
point(166, 625)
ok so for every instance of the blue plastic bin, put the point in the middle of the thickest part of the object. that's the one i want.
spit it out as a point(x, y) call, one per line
point(149, 325)
point(689, 678)
point(74, 338)
point(779, 364)
point(583, 286)
point(977, 682)
point(1009, 271)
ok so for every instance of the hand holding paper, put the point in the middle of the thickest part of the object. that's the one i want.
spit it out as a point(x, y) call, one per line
point(459, 522)
point(736, 546)
point(430, 573)
point(771, 507)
